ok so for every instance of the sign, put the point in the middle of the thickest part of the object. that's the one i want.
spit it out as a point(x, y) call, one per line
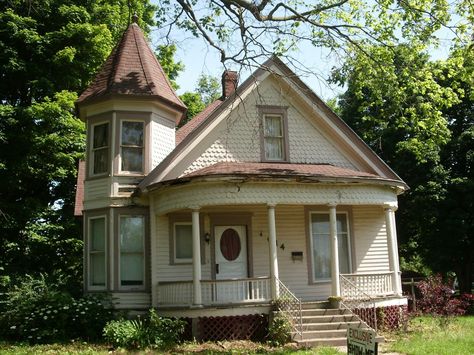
point(361, 341)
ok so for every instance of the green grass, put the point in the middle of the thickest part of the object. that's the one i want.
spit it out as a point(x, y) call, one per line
point(190, 348)
point(426, 336)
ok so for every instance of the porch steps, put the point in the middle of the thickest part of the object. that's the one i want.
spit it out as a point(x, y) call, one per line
point(325, 326)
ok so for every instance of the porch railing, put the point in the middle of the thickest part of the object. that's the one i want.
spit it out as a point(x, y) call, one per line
point(373, 284)
point(290, 306)
point(180, 293)
point(358, 302)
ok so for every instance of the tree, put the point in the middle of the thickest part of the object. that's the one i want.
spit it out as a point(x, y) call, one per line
point(165, 55)
point(49, 52)
point(417, 115)
point(244, 31)
point(209, 88)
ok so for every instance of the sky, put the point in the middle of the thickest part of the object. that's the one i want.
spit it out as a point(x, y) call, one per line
point(199, 58)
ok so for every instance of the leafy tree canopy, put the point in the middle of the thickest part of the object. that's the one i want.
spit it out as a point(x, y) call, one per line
point(49, 52)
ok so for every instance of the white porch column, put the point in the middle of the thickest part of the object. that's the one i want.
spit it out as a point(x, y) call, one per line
point(197, 296)
point(273, 252)
point(393, 248)
point(335, 286)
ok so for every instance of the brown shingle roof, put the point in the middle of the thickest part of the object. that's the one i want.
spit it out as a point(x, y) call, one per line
point(196, 121)
point(132, 69)
point(81, 173)
point(280, 169)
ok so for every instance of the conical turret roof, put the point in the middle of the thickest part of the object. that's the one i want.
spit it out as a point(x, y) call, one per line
point(132, 69)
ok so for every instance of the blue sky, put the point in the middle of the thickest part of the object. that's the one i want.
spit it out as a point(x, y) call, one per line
point(199, 58)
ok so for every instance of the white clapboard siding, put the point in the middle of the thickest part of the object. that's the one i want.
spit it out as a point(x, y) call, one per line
point(371, 252)
point(237, 138)
point(132, 300)
point(96, 189)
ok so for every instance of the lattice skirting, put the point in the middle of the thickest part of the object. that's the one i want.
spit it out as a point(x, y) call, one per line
point(390, 317)
point(248, 327)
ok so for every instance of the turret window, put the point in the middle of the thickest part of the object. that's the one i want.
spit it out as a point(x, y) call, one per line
point(100, 149)
point(131, 146)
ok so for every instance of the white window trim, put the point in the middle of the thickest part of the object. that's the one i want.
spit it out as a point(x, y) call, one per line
point(284, 158)
point(328, 280)
point(92, 151)
point(176, 260)
point(91, 287)
point(131, 287)
point(129, 172)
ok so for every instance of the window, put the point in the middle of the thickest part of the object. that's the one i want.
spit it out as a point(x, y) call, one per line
point(132, 246)
point(273, 137)
point(321, 245)
point(100, 149)
point(183, 242)
point(97, 234)
point(131, 146)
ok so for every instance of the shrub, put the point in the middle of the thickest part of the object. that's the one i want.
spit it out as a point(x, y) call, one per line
point(279, 330)
point(36, 311)
point(141, 333)
point(468, 298)
point(438, 299)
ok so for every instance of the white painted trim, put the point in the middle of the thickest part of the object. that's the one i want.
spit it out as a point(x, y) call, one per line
point(153, 256)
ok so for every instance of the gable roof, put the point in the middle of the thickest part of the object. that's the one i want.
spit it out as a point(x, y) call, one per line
point(196, 121)
point(133, 70)
point(276, 66)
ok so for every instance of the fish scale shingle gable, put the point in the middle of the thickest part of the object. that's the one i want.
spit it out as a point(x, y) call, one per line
point(133, 70)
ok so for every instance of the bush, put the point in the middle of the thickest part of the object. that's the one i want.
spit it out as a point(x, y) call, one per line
point(153, 331)
point(279, 330)
point(36, 311)
point(468, 298)
point(438, 299)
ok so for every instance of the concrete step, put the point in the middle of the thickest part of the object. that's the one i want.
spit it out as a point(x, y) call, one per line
point(322, 341)
point(315, 305)
point(330, 318)
point(330, 326)
point(324, 312)
point(324, 334)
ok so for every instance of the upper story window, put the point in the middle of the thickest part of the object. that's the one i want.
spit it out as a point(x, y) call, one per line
point(100, 149)
point(131, 146)
point(274, 134)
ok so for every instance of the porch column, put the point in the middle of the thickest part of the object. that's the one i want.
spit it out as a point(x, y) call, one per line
point(393, 248)
point(273, 252)
point(197, 296)
point(335, 286)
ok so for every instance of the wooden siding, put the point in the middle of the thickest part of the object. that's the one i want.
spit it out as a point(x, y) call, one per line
point(162, 139)
point(370, 248)
point(237, 138)
point(131, 300)
point(96, 189)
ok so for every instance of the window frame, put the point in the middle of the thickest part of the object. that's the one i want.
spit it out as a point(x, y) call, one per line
point(143, 253)
point(92, 150)
point(312, 278)
point(281, 111)
point(174, 259)
point(90, 286)
point(120, 146)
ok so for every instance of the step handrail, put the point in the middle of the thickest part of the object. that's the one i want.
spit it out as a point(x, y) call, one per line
point(289, 304)
point(360, 298)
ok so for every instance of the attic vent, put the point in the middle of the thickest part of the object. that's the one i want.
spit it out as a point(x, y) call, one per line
point(126, 190)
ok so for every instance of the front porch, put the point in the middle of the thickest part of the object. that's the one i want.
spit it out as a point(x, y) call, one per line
point(257, 291)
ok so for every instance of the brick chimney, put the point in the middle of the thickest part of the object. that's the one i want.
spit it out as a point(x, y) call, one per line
point(229, 83)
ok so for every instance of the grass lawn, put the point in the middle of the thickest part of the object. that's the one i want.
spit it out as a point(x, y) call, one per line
point(234, 347)
point(426, 336)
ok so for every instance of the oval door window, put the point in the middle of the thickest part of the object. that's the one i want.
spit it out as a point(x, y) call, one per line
point(230, 244)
